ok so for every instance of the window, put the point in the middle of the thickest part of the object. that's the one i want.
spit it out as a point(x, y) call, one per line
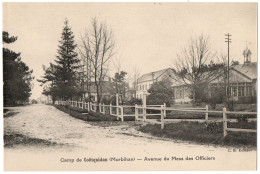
point(228, 90)
point(234, 91)
point(241, 91)
point(249, 91)
point(179, 94)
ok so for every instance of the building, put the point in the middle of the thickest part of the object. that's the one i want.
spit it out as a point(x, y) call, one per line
point(242, 80)
point(105, 91)
point(145, 81)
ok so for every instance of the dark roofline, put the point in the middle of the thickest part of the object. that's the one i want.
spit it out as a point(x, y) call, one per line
point(231, 68)
point(164, 70)
point(241, 73)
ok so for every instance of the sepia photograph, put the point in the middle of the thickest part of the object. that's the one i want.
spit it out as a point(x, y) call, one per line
point(129, 86)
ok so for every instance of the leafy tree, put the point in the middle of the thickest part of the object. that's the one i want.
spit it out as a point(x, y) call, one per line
point(17, 76)
point(119, 84)
point(218, 95)
point(160, 92)
point(62, 76)
point(48, 82)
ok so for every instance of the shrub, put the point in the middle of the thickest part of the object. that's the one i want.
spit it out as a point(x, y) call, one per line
point(134, 101)
point(160, 92)
point(246, 100)
point(195, 131)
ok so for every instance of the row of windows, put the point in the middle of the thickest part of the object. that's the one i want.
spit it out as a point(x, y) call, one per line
point(139, 96)
point(179, 94)
point(238, 91)
point(144, 87)
point(232, 84)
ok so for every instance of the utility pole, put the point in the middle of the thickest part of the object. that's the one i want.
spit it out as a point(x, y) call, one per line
point(228, 40)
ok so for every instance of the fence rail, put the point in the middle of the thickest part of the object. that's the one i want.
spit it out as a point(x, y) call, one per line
point(140, 113)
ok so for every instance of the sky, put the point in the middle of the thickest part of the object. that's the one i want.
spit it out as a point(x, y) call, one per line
point(147, 35)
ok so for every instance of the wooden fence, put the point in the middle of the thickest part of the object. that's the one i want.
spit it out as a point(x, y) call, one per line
point(140, 113)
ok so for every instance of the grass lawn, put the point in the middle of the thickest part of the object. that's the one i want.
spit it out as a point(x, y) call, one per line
point(18, 139)
point(198, 133)
point(10, 114)
point(80, 114)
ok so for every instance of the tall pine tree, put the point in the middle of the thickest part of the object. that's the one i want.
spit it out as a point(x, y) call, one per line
point(64, 73)
point(17, 76)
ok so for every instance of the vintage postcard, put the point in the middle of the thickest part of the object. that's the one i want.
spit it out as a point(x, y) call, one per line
point(129, 86)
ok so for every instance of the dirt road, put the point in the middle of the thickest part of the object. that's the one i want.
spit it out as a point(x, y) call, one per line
point(122, 145)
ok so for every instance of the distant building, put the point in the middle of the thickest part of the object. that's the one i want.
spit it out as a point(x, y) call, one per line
point(105, 91)
point(145, 81)
point(242, 78)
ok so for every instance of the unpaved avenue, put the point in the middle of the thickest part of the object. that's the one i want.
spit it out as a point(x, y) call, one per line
point(82, 140)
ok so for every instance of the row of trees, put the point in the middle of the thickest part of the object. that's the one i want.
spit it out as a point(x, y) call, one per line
point(17, 76)
point(81, 69)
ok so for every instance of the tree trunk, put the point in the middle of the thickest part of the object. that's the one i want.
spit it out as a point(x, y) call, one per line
point(194, 97)
point(98, 97)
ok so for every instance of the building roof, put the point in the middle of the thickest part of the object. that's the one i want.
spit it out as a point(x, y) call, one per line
point(106, 87)
point(249, 69)
point(152, 75)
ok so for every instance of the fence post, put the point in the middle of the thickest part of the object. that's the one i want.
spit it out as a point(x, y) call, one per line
point(207, 114)
point(122, 113)
point(100, 109)
point(104, 108)
point(162, 117)
point(117, 104)
point(117, 112)
point(144, 106)
point(136, 113)
point(88, 106)
point(224, 122)
point(110, 109)
point(164, 105)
